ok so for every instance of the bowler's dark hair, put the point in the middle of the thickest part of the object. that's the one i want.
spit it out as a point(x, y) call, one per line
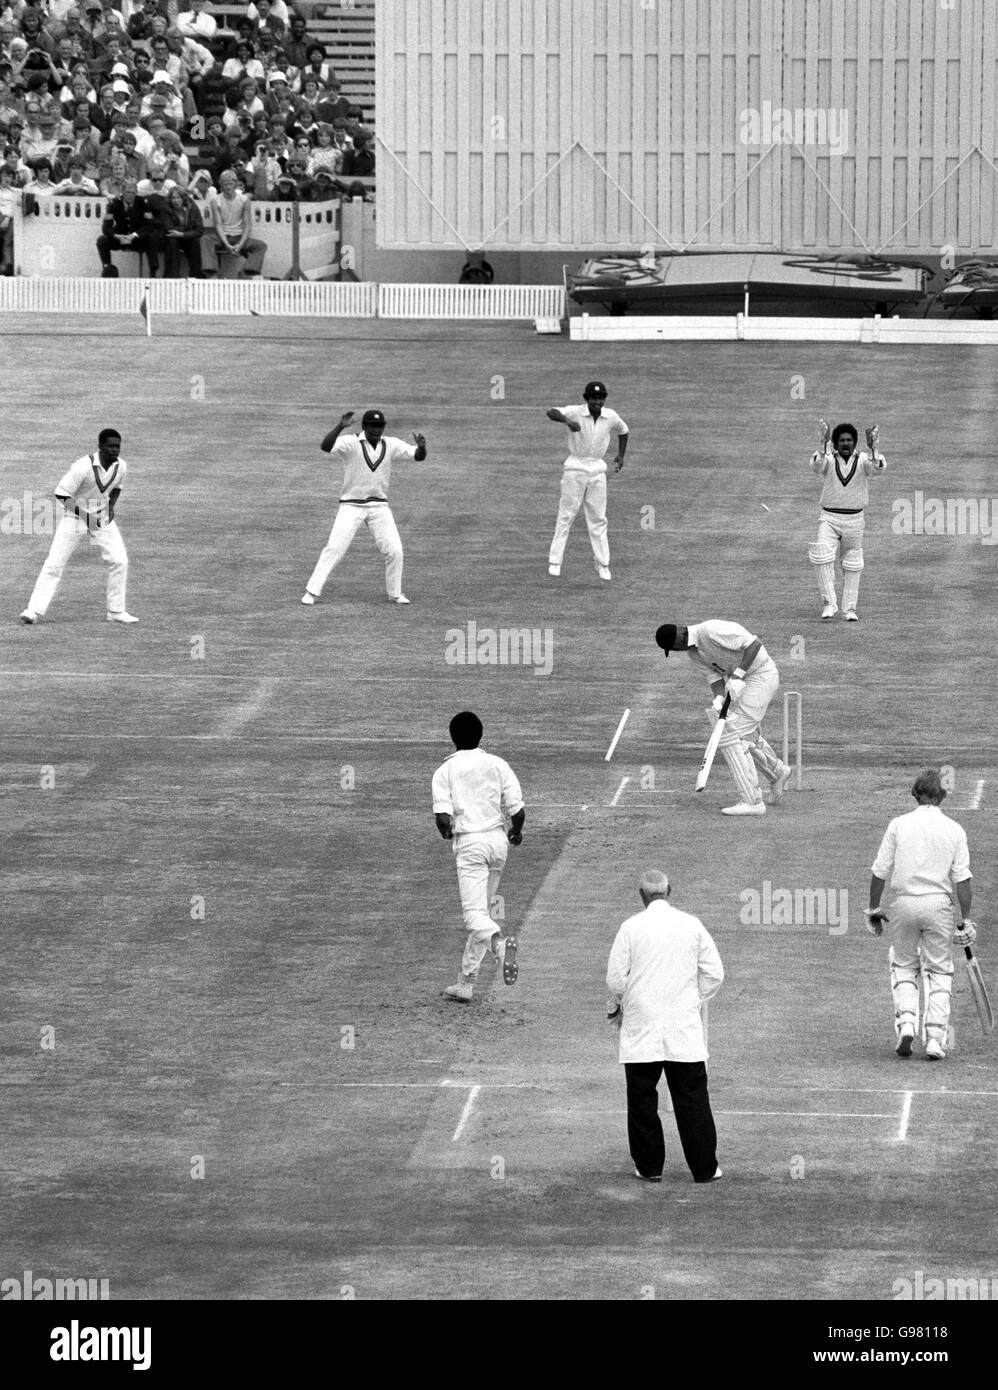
point(466, 730)
point(105, 435)
point(843, 429)
point(928, 786)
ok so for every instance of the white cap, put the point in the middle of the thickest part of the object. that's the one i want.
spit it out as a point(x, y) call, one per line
point(120, 86)
point(278, 77)
point(162, 77)
point(121, 68)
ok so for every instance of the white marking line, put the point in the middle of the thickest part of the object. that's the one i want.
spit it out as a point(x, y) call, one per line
point(975, 800)
point(616, 796)
point(469, 1105)
point(408, 1085)
point(620, 729)
point(902, 1133)
point(236, 718)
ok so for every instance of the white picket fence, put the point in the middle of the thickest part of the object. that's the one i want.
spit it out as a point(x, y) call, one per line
point(284, 298)
point(413, 301)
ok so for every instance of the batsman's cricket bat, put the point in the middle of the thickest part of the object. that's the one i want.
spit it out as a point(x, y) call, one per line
point(980, 993)
point(712, 742)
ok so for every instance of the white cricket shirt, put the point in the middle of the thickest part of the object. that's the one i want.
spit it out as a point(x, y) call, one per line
point(368, 467)
point(663, 965)
point(923, 852)
point(720, 647)
point(588, 447)
point(477, 789)
point(90, 485)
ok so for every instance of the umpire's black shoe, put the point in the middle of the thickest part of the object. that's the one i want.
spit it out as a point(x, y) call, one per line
point(648, 1177)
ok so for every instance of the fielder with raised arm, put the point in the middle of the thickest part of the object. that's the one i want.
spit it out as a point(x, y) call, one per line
point(740, 667)
point(368, 459)
point(474, 794)
point(925, 858)
point(89, 492)
point(844, 496)
point(583, 478)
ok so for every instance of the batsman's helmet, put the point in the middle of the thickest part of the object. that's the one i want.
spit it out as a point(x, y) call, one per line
point(594, 388)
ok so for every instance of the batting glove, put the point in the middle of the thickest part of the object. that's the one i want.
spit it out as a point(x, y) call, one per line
point(876, 920)
point(614, 1013)
point(717, 704)
point(965, 935)
point(872, 438)
point(734, 687)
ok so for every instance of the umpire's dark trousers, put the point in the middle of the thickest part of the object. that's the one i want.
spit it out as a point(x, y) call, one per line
point(687, 1082)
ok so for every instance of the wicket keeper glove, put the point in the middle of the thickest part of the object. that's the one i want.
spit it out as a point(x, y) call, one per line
point(876, 920)
point(965, 935)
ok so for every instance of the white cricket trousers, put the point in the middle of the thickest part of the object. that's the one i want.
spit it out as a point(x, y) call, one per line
point(586, 490)
point(480, 860)
point(921, 929)
point(68, 535)
point(350, 517)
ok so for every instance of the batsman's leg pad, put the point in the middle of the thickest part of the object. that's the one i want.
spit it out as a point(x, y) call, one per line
point(904, 988)
point(852, 567)
point(822, 556)
point(939, 987)
point(764, 758)
point(743, 771)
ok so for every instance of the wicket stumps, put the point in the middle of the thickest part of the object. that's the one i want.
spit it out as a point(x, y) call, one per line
point(788, 696)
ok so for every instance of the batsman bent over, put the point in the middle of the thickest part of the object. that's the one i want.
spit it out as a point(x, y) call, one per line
point(473, 794)
point(742, 668)
point(924, 855)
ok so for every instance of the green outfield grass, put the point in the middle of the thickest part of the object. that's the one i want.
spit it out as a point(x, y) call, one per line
point(233, 909)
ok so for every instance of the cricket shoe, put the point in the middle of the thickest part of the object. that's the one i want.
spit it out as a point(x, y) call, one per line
point(308, 599)
point(716, 1178)
point(934, 1050)
point(397, 598)
point(554, 571)
point(506, 956)
point(648, 1177)
point(121, 617)
point(604, 573)
point(742, 808)
point(851, 616)
point(829, 610)
point(780, 783)
point(28, 618)
point(906, 1037)
point(460, 993)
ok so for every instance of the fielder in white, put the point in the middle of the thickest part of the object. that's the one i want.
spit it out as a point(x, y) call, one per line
point(368, 460)
point(583, 479)
point(741, 667)
point(844, 495)
point(89, 492)
point(474, 795)
point(924, 855)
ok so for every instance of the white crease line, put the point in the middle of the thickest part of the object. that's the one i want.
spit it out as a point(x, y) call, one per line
point(236, 718)
point(876, 1091)
point(469, 1105)
point(620, 729)
point(902, 1133)
point(616, 796)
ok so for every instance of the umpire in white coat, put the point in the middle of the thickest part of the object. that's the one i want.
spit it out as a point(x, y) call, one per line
point(663, 965)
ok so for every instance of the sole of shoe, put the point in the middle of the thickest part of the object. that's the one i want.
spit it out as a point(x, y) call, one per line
point(903, 1048)
point(510, 969)
point(645, 1177)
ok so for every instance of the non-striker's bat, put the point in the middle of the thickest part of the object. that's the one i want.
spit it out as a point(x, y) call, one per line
point(979, 991)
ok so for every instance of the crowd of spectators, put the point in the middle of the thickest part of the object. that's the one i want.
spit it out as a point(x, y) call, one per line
point(179, 125)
